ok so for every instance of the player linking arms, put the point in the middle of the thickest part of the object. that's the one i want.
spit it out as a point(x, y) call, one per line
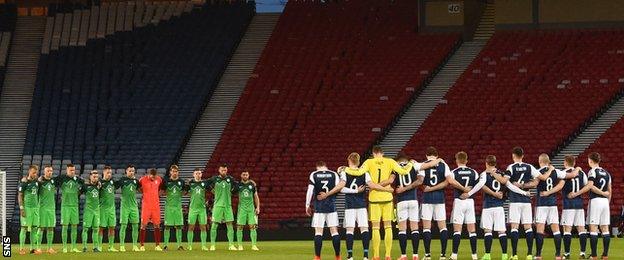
point(173, 189)
point(322, 188)
point(380, 202)
point(407, 207)
point(599, 198)
point(28, 200)
point(91, 211)
point(493, 214)
point(47, 207)
point(355, 204)
point(222, 187)
point(573, 213)
point(248, 210)
point(108, 217)
point(462, 180)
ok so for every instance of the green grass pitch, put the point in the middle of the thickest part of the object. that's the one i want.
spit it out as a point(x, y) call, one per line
point(273, 250)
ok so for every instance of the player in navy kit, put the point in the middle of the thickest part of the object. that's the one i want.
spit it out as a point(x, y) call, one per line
point(355, 204)
point(599, 198)
point(550, 182)
point(521, 175)
point(462, 180)
point(407, 208)
point(322, 189)
point(493, 214)
point(433, 207)
point(573, 213)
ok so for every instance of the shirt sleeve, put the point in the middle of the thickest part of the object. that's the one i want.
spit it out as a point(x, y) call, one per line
point(311, 182)
point(367, 178)
point(421, 173)
point(561, 174)
point(20, 187)
point(479, 185)
point(584, 178)
point(417, 166)
point(447, 171)
point(339, 178)
point(309, 195)
point(396, 167)
point(592, 175)
point(359, 171)
point(534, 171)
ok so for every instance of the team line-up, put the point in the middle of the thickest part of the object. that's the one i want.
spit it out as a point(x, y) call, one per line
point(390, 180)
point(36, 197)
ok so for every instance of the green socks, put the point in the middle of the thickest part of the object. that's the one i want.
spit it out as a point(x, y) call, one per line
point(22, 238)
point(239, 236)
point(135, 234)
point(34, 240)
point(111, 238)
point(122, 235)
point(85, 237)
point(230, 234)
point(95, 235)
point(50, 237)
point(254, 236)
point(203, 237)
point(64, 236)
point(74, 236)
point(178, 236)
point(189, 236)
point(213, 234)
point(166, 241)
point(40, 237)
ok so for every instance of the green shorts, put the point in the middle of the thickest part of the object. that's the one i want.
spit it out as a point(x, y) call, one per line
point(246, 217)
point(69, 216)
point(47, 217)
point(128, 216)
point(222, 214)
point(196, 215)
point(32, 217)
point(173, 216)
point(91, 218)
point(108, 218)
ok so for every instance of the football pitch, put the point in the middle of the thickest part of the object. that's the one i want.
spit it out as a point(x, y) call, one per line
point(273, 250)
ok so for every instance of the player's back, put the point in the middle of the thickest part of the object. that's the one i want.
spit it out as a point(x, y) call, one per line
point(465, 176)
point(546, 185)
point(405, 180)
point(355, 200)
point(324, 181)
point(432, 177)
point(573, 185)
point(601, 179)
point(380, 170)
point(490, 201)
point(522, 173)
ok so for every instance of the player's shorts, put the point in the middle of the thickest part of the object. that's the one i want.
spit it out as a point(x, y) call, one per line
point(91, 218)
point(197, 215)
point(520, 212)
point(435, 212)
point(319, 220)
point(359, 215)
point(222, 214)
point(493, 219)
point(128, 216)
point(32, 217)
point(108, 218)
point(150, 215)
point(69, 216)
point(463, 212)
point(599, 213)
point(547, 215)
point(573, 217)
point(246, 217)
point(408, 210)
point(381, 211)
point(47, 218)
point(173, 216)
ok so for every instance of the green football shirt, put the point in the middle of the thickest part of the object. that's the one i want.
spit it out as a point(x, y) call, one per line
point(30, 190)
point(107, 194)
point(222, 188)
point(70, 190)
point(197, 190)
point(246, 192)
point(174, 189)
point(47, 194)
point(92, 196)
point(129, 187)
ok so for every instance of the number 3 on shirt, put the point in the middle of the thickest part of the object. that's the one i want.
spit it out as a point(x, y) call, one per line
point(325, 188)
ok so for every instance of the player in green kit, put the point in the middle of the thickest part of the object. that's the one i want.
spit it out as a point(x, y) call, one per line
point(28, 199)
point(70, 186)
point(197, 208)
point(129, 212)
point(248, 210)
point(91, 211)
point(173, 188)
point(222, 187)
point(47, 207)
point(108, 218)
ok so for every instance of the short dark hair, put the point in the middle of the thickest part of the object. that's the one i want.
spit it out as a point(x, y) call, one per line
point(461, 157)
point(174, 167)
point(517, 151)
point(152, 171)
point(321, 164)
point(431, 151)
point(69, 165)
point(130, 166)
point(47, 166)
point(570, 160)
point(108, 167)
point(197, 169)
point(490, 160)
point(94, 172)
point(377, 149)
point(595, 157)
point(401, 156)
point(223, 165)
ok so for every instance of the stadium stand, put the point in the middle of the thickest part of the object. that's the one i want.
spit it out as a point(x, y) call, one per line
point(128, 85)
point(330, 79)
point(529, 88)
point(8, 15)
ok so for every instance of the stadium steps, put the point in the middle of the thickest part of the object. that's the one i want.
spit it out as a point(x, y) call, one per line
point(216, 114)
point(592, 132)
point(19, 84)
point(486, 26)
point(432, 94)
